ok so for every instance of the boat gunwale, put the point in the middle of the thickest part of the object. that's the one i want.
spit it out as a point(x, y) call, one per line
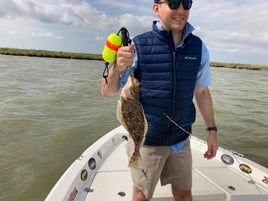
point(81, 173)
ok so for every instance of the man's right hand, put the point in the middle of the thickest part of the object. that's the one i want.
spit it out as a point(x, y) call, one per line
point(125, 57)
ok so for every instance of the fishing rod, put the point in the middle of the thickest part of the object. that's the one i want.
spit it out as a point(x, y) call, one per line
point(113, 43)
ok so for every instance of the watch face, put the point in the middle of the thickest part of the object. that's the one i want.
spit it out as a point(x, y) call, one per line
point(212, 129)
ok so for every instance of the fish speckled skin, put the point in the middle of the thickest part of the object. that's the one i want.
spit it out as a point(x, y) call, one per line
point(131, 115)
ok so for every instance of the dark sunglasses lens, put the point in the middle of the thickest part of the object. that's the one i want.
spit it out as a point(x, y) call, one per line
point(174, 4)
point(187, 4)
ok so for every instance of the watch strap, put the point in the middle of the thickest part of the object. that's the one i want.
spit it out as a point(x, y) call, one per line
point(211, 129)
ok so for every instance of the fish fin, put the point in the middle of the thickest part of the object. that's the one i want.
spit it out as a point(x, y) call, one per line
point(135, 160)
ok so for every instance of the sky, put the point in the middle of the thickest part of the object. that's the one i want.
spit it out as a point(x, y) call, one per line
point(235, 31)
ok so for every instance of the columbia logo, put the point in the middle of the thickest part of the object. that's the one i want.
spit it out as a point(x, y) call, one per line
point(190, 58)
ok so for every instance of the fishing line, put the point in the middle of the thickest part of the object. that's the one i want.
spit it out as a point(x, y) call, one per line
point(235, 154)
point(172, 121)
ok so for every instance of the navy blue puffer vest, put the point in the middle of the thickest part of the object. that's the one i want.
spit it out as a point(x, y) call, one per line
point(168, 77)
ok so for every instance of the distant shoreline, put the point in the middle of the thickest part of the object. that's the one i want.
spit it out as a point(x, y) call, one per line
point(239, 66)
point(87, 56)
point(49, 54)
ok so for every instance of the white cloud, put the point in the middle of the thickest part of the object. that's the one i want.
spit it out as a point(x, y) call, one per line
point(46, 35)
point(233, 27)
point(100, 38)
point(229, 28)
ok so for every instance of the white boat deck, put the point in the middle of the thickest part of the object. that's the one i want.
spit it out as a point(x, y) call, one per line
point(212, 181)
point(101, 174)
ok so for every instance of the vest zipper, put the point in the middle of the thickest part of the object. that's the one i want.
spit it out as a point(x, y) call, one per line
point(173, 93)
point(174, 85)
point(172, 112)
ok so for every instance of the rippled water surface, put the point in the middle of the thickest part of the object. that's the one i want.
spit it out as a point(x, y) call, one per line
point(51, 110)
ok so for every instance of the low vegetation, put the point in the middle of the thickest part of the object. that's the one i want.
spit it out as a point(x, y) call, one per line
point(87, 56)
point(51, 54)
point(239, 66)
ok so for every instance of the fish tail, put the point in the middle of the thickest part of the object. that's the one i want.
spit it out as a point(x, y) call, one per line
point(135, 160)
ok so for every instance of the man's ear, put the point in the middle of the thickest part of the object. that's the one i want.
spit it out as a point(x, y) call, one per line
point(156, 9)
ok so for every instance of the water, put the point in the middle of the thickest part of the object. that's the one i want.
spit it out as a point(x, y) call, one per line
point(51, 110)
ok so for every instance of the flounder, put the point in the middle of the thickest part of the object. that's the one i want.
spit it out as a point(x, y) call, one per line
point(131, 115)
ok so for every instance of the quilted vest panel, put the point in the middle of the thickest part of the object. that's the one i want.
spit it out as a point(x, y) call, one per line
point(168, 77)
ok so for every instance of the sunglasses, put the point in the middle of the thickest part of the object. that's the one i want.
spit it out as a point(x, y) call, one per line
point(175, 4)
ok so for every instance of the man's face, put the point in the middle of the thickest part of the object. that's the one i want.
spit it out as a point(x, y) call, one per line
point(171, 19)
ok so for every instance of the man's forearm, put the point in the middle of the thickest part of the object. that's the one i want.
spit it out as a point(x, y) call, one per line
point(205, 105)
point(110, 86)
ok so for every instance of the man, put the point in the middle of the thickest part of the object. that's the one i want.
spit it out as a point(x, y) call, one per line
point(172, 66)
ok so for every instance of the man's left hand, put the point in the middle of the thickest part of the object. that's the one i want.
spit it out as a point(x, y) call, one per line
point(212, 146)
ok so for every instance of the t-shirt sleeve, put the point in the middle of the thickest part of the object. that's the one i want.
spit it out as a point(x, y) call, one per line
point(203, 76)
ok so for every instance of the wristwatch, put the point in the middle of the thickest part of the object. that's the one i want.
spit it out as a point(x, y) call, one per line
point(212, 129)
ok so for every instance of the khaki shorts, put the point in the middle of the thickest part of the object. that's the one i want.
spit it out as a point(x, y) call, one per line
point(159, 162)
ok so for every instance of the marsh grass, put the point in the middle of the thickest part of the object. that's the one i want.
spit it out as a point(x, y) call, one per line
point(239, 66)
point(87, 56)
point(46, 53)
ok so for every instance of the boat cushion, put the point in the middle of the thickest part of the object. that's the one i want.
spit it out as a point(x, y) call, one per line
point(249, 198)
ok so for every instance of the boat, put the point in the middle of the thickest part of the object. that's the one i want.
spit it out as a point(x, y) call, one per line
point(101, 173)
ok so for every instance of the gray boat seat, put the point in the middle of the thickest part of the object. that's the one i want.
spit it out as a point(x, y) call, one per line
point(249, 198)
